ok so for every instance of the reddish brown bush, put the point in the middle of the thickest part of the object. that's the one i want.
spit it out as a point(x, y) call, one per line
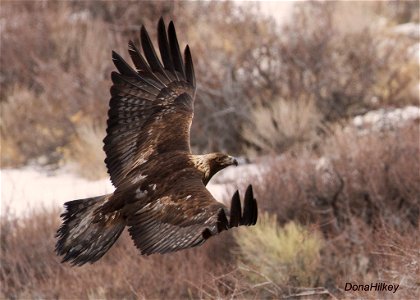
point(31, 269)
point(372, 177)
point(369, 220)
point(363, 194)
point(58, 55)
point(330, 56)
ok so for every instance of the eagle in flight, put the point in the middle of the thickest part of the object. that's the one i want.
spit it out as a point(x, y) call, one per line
point(160, 194)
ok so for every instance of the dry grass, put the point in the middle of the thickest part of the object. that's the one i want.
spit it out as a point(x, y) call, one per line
point(341, 67)
point(363, 195)
point(56, 61)
point(30, 269)
point(361, 192)
point(363, 200)
point(65, 74)
point(58, 55)
point(85, 152)
point(276, 128)
point(392, 257)
point(372, 176)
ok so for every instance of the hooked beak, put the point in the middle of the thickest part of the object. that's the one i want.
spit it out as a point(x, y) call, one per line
point(234, 161)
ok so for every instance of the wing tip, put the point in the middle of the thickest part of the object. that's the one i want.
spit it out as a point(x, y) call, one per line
point(161, 23)
point(122, 66)
point(189, 66)
point(235, 211)
point(249, 191)
point(115, 55)
point(143, 29)
point(171, 25)
point(249, 215)
point(131, 45)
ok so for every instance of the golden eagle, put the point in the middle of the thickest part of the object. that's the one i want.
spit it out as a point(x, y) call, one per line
point(160, 190)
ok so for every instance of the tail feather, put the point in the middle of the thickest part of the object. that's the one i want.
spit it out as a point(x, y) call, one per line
point(84, 237)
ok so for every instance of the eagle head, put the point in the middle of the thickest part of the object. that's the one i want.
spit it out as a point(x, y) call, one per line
point(210, 164)
point(222, 160)
point(218, 161)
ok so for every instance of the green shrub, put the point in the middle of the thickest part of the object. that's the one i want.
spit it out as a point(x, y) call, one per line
point(288, 255)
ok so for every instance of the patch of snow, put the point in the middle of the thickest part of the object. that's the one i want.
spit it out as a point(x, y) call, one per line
point(82, 16)
point(386, 119)
point(29, 190)
point(411, 30)
point(238, 174)
point(414, 52)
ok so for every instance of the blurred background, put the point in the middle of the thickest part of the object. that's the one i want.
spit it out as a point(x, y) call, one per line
point(319, 99)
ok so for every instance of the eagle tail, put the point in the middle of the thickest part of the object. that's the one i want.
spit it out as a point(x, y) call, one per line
point(85, 235)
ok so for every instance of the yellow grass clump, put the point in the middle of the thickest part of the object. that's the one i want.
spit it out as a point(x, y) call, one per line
point(285, 255)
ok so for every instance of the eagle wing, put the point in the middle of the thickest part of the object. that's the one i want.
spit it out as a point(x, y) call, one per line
point(159, 191)
point(151, 108)
point(185, 216)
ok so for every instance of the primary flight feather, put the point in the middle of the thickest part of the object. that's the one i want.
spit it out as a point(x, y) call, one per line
point(160, 190)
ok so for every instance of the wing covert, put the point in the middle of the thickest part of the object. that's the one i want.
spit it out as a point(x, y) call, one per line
point(185, 218)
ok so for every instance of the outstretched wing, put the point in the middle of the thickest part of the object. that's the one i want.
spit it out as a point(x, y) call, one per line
point(151, 108)
point(186, 217)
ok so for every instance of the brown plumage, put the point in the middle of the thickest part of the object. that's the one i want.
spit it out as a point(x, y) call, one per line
point(160, 186)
